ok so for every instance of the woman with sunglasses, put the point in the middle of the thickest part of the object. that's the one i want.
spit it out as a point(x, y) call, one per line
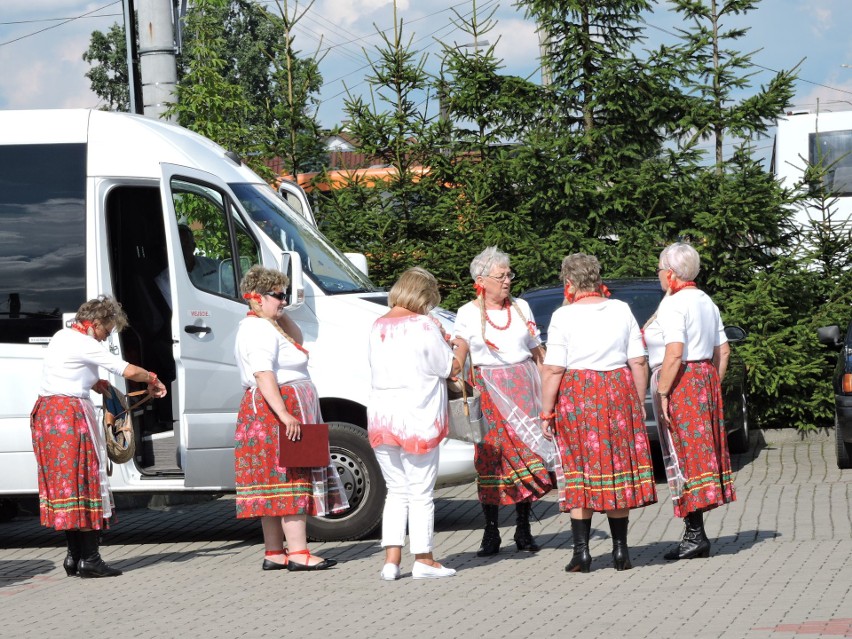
point(688, 352)
point(278, 395)
point(513, 460)
point(68, 441)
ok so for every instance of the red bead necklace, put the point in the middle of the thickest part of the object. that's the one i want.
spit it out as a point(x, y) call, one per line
point(585, 294)
point(674, 287)
point(508, 320)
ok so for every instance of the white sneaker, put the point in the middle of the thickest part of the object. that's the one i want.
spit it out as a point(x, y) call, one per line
point(390, 572)
point(424, 571)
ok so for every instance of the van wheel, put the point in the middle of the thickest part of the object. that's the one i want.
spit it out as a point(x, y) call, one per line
point(8, 510)
point(362, 481)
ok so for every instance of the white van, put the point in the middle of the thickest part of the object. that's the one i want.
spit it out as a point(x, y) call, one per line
point(90, 203)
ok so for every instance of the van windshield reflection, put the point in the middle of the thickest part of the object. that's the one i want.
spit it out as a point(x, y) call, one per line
point(320, 259)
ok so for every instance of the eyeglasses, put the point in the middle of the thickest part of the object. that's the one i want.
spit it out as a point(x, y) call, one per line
point(502, 278)
point(279, 295)
point(660, 270)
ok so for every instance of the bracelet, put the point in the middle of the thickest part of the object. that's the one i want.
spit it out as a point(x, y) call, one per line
point(666, 394)
point(152, 377)
point(544, 416)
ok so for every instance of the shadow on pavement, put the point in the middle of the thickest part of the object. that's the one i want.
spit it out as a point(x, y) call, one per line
point(13, 571)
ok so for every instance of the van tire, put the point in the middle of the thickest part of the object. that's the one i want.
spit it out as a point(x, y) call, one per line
point(362, 479)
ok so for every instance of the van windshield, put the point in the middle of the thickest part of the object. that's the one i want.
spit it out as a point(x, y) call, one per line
point(320, 259)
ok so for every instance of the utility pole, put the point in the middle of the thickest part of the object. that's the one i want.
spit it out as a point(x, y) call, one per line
point(156, 55)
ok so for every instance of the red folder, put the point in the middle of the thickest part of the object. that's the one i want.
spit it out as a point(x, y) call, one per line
point(309, 451)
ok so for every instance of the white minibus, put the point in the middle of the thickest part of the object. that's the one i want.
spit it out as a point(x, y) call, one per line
point(94, 203)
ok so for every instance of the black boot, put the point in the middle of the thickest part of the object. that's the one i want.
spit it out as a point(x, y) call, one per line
point(491, 535)
point(620, 556)
point(695, 542)
point(73, 556)
point(582, 560)
point(523, 537)
point(91, 564)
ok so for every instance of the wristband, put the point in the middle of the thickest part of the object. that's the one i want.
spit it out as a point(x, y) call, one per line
point(666, 394)
point(544, 416)
point(152, 377)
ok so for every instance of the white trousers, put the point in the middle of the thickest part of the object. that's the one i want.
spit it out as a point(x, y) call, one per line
point(411, 486)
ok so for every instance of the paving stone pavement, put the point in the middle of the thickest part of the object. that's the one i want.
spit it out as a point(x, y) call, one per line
point(781, 567)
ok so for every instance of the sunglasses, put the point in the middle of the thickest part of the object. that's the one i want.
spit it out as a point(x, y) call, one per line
point(280, 296)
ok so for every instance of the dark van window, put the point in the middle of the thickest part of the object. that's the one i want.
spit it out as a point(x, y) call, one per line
point(42, 238)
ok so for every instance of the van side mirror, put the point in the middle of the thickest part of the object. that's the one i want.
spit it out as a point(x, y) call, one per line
point(735, 333)
point(359, 261)
point(829, 335)
point(291, 265)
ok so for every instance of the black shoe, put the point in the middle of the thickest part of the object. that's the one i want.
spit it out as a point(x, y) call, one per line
point(620, 554)
point(271, 565)
point(73, 556)
point(491, 535)
point(523, 537)
point(694, 543)
point(292, 566)
point(582, 560)
point(91, 565)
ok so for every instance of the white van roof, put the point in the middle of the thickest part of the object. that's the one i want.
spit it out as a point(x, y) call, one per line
point(121, 144)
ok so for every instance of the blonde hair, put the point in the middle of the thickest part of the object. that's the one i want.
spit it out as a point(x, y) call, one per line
point(261, 280)
point(682, 259)
point(415, 290)
point(584, 271)
point(104, 310)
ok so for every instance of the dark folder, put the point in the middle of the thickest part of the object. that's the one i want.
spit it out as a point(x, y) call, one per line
point(309, 451)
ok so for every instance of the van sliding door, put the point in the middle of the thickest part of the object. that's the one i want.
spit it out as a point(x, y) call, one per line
point(210, 248)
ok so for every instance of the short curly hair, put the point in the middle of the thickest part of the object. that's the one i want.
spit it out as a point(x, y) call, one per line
point(260, 279)
point(415, 290)
point(105, 310)
point(583, 270)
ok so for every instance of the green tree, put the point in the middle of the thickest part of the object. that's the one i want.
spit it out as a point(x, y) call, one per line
point(108, 79)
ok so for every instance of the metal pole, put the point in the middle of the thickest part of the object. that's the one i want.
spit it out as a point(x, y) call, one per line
point(157, 56)
point(133, 88)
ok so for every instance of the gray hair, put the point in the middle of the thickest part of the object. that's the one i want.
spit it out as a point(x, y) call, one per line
point(584, 271)
point(483, 263)
point(682, 259)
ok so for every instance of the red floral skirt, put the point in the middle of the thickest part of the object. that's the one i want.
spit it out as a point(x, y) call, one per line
point(508, 472)
point(264, 489)
point(602, 442)
point(698, 435)
point(69, 491)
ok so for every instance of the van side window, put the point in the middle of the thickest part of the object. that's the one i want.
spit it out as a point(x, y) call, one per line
point(43, 238)
point(210, 232)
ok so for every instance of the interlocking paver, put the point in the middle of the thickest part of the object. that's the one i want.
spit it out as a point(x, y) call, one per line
point(781, 566)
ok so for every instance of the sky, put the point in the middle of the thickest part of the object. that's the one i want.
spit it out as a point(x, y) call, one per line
point(42, 42)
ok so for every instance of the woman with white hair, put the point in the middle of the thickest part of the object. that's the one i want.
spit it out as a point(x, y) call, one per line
point(513, 460)
point(688, 353)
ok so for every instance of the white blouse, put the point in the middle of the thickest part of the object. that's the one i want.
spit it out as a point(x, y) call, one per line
point(597, 337)
point(410, 361)
point(260, 347)
point(513, 343)
point(71, 364)
point(688, 317)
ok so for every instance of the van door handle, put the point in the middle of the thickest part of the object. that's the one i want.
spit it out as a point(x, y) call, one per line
point(193, 329)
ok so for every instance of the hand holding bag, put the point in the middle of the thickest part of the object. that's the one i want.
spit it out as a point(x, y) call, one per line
point(118, 424)
point(465, 411)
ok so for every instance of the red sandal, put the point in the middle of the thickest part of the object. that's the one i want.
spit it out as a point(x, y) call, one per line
point(293, 566)
point(274, 565)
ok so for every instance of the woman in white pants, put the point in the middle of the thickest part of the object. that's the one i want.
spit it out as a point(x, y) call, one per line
point(407, 418)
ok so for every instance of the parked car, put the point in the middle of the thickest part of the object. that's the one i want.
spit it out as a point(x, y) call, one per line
point(842, 382)
point(643, 295)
